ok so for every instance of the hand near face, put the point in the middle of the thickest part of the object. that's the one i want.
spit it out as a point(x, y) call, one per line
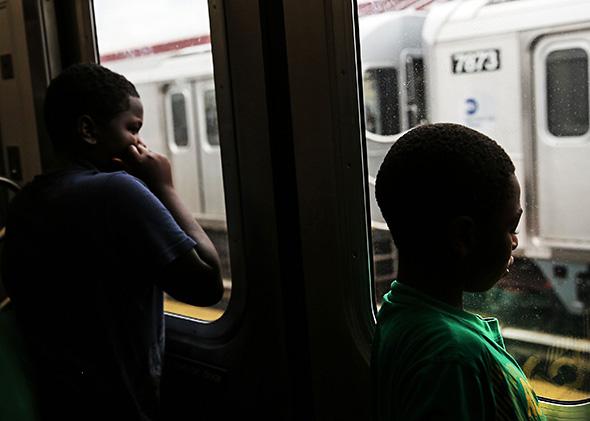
point(151, 167)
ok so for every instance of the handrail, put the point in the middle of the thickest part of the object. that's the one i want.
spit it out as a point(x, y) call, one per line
point(14, 186)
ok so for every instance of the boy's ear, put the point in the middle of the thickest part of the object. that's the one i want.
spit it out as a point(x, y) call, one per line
point(462, 235)
point(87, 129)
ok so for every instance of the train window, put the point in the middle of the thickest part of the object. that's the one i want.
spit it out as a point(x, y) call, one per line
point(381, 101)
point(164, 48)
point(414, 89)
point(211, 117)
point(524, 84)
point(567, 92)
point(179, 119)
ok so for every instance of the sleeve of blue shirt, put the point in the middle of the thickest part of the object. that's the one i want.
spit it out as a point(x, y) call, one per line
point(141, 224)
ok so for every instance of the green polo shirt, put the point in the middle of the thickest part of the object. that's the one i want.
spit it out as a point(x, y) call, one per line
point(432, 361)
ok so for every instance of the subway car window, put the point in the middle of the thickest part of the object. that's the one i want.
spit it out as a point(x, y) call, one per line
point(567, 92)
point(164, 48)
point(518, 72)
point(381, 101)
point(211, 117)
point(415, 91)
point(179, 119)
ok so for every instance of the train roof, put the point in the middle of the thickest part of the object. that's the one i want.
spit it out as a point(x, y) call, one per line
point(188, 63)
point(477, 18)
point(381, 34)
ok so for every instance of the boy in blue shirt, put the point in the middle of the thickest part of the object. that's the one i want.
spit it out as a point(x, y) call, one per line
point(452, 203)
point(91, 247)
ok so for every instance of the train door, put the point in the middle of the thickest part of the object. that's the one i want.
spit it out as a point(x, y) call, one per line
point(209, 152)
point(183, 145)
point(562, 138)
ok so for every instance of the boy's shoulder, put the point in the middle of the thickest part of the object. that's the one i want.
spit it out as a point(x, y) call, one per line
point(85, 187)
point(426, 330)
point(94, 181)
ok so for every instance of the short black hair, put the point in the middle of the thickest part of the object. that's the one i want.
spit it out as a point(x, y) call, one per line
point(436, 172)
point(81, 89)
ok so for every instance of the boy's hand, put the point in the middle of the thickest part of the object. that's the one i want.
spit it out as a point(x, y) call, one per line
point(151, 167)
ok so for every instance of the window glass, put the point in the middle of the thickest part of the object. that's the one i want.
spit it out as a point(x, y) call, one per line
point(415, 95)
point(179, 119)
point(567, 92)
point(211, 117)
point(459, 73)
point(159, 45)
point(381, 101)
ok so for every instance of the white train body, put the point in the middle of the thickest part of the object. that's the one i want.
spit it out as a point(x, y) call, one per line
point(518, 71)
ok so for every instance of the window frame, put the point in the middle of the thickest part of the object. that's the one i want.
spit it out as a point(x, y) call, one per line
point(180, 328)
point(250, 345)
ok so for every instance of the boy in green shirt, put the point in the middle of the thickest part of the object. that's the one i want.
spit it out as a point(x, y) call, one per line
point(452, 203)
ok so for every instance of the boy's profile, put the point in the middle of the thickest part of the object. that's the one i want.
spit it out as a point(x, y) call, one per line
point(452, 203)
point(90, 247)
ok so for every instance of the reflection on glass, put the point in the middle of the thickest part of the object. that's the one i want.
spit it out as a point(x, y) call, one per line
point(163, 47)
point(452, 70)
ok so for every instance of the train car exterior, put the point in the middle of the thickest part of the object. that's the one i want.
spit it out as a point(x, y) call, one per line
point(537, 51)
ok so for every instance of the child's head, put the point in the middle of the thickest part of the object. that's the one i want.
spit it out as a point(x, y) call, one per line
point(82, 99)
point(448, 194)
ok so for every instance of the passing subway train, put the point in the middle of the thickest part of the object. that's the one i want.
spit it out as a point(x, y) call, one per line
point(275, 116)
point(419, 66)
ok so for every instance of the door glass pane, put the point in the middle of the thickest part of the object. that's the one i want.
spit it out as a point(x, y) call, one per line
point(179, 119)
point(381, 101)
point(211, 117)
point(163, 47)
point(567, 92)
point(458, 72)
point(415, 91)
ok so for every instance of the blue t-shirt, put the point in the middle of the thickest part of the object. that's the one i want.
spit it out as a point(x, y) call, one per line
point(83, 253)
